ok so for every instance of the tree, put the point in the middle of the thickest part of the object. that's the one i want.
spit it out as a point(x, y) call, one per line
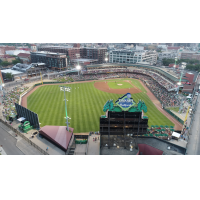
point(1, 61)
point(9, 76)
point(5, 63)
point(14, 62)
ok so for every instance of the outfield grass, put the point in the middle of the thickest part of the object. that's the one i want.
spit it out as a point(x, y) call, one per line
point(114, 85)
point(84, 106)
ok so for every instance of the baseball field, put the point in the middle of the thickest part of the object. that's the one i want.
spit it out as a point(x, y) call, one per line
point(85, 103)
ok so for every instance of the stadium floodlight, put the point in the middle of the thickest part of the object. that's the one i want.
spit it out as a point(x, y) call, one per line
point(78, 67)
point(175, 62)
point(178, 83)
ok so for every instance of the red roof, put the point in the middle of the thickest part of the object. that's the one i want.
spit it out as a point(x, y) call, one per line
point(23, 55)
point(6, 56)
point(58, 135)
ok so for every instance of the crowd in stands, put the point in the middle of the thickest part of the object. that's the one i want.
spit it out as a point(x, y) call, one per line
point(158, 84)
point(9, 99)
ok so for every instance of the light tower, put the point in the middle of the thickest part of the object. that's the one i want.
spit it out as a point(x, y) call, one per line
point(175, 63)
point(63, 88)
point(78, 67)
point(106, 59)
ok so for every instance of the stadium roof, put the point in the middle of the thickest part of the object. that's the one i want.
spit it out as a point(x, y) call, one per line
point(173, 78)
point(58, 135)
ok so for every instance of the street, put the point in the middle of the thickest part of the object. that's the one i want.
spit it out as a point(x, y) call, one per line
point(9, 143)
point(193, 147)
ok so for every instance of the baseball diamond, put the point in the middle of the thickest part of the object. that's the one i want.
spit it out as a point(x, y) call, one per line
point(85, 103)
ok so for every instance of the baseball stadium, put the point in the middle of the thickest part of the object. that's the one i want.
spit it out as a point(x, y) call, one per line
point(88, 102)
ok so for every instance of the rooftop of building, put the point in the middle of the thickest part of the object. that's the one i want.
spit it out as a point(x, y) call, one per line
point(173, 48)
point(10, 71)
point(24, 55)
point(51, 46)
point(84, 60)
point(47, 53)
point(6, 56)
point(168, 148)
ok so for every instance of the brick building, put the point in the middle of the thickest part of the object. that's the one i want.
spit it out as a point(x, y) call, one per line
point(7, 58)
point(52, 60)
point(25, 57)
point(189, 77)
point(72, 51)
point(190, 55)
point(3, 49)
point(94, 53)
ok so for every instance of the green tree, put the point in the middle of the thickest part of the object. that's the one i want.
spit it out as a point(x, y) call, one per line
point(14, 62)
point(9, 76)
point(5, 63)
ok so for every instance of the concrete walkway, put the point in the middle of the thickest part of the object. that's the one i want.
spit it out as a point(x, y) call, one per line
point(2, 152)
point(21, 144)
point(93, 146)
point(41, 142)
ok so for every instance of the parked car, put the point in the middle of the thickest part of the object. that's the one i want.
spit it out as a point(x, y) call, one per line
point(196, 93)
point(189, 96)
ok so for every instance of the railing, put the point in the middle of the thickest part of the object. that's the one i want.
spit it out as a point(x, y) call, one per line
point(24, 137)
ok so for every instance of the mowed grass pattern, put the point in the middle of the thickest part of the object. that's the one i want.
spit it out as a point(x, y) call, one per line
point(85, 106)
point(114, 85)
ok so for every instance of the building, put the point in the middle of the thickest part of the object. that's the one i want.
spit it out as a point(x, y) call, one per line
point(69, 51)
point(128, 56)
point(162, 46)
point(56, 61)
point(3, 49)
point(74, 52)
point(189, 76)
point(7, 58)
point(94, 53)
point(83, 61)
point(1, 77)
point(167, 54)
point(58, 135)
point(172, 48)
point(25, 57)
point(125, 117)
point(33, 48)
point(190, 55)
point(16, 52)
point(139, 48)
